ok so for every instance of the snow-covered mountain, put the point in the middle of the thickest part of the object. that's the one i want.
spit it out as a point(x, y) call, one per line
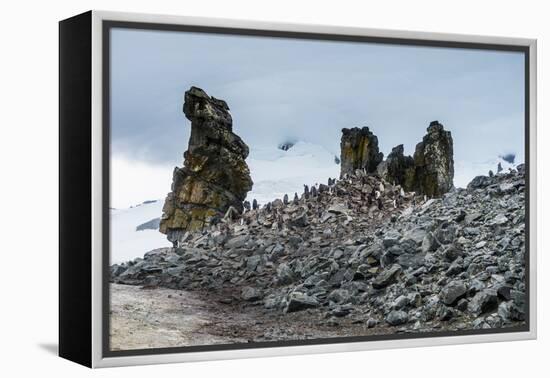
point(277, 172)
point(126, 242)
point(466, 171)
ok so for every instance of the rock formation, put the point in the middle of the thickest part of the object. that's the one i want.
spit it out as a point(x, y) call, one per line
point(398, 168)
point(433, 162)
point(285, 146)
point(359, 150)
point(430, 171)
point(214, 176)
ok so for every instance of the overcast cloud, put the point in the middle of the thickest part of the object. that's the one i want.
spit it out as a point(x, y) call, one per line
point(280, 89)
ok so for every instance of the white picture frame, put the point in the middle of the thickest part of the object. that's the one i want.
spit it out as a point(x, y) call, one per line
point(97, 356)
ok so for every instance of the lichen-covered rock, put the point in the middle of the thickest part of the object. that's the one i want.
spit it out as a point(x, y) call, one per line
point(359, 150)
point(430, 171)
point(215, 175)
point(433, 162)
point(397, 168)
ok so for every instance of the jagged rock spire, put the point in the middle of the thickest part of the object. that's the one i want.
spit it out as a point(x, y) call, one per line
point(433, 162)
point(214, 176)
point(359, 150)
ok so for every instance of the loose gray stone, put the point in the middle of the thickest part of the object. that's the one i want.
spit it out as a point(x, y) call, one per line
point(386, 277)
point(452, 292)
point(337, 208)
point(285, 275)
point(300, 301)
point(397, 317)
point(340, 296)
point(251, 294)
point(483, 302)
point(391, 239)
point(499, 220)
point(237, 241)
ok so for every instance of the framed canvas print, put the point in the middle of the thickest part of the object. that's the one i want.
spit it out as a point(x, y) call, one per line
point(234, 189)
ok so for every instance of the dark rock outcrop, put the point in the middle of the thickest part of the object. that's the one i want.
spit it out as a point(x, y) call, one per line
point(398, 168)
point(285, 146)
point(430, 171)
point(359, 150)
point(214, 176)
point(433, 162)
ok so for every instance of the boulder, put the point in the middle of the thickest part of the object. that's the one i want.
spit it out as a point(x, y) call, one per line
point(391, 238)
point(250, 294)
point(452, 292)
point(237, 241)
point(509, 311)
point(285, 275)
point(340, 296)
point(483, 301)
point(386, 277)
point(397, 317)
point(298, 301)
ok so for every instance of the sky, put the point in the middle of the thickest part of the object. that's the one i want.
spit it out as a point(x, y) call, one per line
point(281, 89)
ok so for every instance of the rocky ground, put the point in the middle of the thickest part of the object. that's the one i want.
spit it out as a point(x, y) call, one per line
point(356, 257)
point(143, 318)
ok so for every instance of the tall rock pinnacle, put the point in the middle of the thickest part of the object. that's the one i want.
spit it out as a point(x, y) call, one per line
point(359, 150)
point(433, 162)
point(214, 175)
